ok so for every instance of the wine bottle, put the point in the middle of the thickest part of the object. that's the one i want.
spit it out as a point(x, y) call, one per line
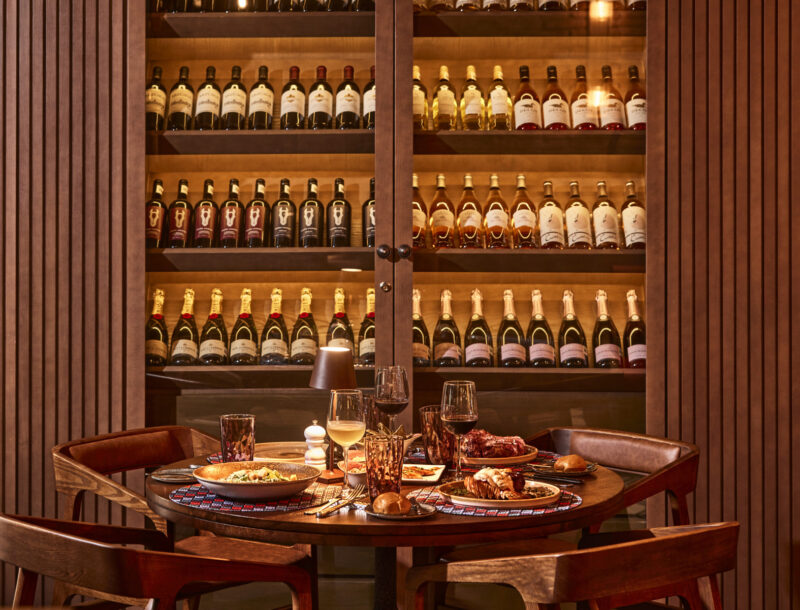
point(338, 217)
point(214, 336)
point(180, 218)
point(478, 337)
point(340, 333)
point(369, 101)
point(234, 102)
point(368, 218)
point(499, 107)
point(605, 220)
point(579, 5)
point(312, 219)
point(420, 6)
point(293, 102)
point(521, 5)
point(442, 5)
point(469, 220)
point(262, 100)
point(495, 219)
point(634, 219)
point(206, 114)
point(579, 224)
point(420, 341)
point(231, 213)
point(446, 338)
point(554, 102)
point(419, 102)
point(366, 334)
point(442, 217)
point(304, 340)
point(523, 217)
point(605, 338)
point(494, 5)
point(156, 214)
point(552, 5)
point(244, 338)
point(634, 340)
point(363, 5)
point(320, 102)
point(527, 108)
point(510, 340)
point(473, 106)
point(206, 214)
point(539, 338)
point(636, 101)
point(184, 336)
point(275, 337)
point(257, 218)
point(337, 5)
point(612, 110)
point(156, 339)
point(283, 218)
point(571, 339)
point(312, 5)
point(419, 215)
point(155, 102)
point(444, 111)
point(468, 5)
point(181, 101)
point(584, 112)
point(348, 102)
point(551, 220)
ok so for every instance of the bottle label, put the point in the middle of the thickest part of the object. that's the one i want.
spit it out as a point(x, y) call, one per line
point(606, 225)
point(348, 100)
point(442, 218)
point(608, 351)
point(635, 352)
point(460, 3)
point(178, 223)
point(155, 221)
point(542, 351)
point(338, 221)
point(420, 350)
point(293, 101)
point(417, 102)
point(477, 350)
point(523, 218)
point(634, 224)
point(208, 101)
point(185, 347)
point(213, 347)
point(155, 101)
point(555, 110)
point(496, 219)
point(180, 100)
point(245, 347)
point(447, 350)
point(472, 99)
point(369, 221)
point(470, 219)
point(262, 100)
point(446, 102)
point(572, 350)
point(611, 111)
point(366, 346)
point(584, 112)
point(512, 350)
point(234, 100)
point(304, 346)
point(320, 101)
point(551, 225)
point(341, 342)
point(254, 229)
point(204, 221)
point(637, 111)
point(310, 224)
point(230, 221)
point(274, 346)
point(418, 220)
point(527, 110)
point(579, 226)
point(154, 347)
point(369, 102)
point(499, 101)
point(283, 221)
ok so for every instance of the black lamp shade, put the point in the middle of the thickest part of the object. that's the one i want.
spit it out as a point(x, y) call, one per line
point(333, 369)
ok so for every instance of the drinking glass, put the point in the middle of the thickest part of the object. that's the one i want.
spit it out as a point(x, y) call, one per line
point(459, 412)
point(346, 422)
point(384, 457)
point(237, 437)
point(440, 444)
point(391, 391)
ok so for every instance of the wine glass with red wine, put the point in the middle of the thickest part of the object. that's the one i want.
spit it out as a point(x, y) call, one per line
point(391, 391)
point(459, 412)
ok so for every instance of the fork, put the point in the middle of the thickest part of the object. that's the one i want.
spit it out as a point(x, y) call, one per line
point(351, 497)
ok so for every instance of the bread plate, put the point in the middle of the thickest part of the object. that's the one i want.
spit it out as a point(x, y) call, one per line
point(418, 511)
point(212, 477)
point(547, 468)
point(456, 493)
point(506, 461)
point(422, 473)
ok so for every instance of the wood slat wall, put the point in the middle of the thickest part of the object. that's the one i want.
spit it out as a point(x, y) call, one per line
point(71, 243)
point(723, 272)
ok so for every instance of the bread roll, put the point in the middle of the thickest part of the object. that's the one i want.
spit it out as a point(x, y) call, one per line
point(570, 463)
point(391, 503)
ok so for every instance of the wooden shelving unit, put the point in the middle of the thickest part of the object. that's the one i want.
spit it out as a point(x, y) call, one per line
point(539, 142)
point(529, 261)
point(267, 142)
point(261, 259)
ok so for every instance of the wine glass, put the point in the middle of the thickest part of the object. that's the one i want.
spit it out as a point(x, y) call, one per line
point(391, 391)
point(346, 422)
point(459, 412)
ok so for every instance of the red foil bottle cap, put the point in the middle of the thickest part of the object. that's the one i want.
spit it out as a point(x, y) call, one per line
point(322, 72)
point(348, 73)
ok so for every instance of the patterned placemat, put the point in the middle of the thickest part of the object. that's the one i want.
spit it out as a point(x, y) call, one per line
point(567, 501)
point(198, 496)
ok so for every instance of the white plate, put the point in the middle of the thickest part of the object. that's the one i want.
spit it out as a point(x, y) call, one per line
point(506, 461)
point(282, 452)
point(433, 473)
point(444, 491)
point(211, 477)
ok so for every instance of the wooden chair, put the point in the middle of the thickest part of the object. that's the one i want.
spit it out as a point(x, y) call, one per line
point(679, 561)
point(90, 557)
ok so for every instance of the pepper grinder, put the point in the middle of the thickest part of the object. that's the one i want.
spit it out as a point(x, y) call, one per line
point(315, 439)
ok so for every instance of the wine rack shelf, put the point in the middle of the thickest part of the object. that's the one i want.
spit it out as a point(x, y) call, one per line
point(542, 380)
point(530, 261)
point(481, 24)
point(260, 25)
point(261, 259)
point(538, 142)
point(269, 142)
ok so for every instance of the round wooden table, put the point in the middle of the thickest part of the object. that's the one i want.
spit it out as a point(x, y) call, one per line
point(601, 494)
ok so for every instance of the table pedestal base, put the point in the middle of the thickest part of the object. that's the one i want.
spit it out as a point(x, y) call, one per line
point(386, 578)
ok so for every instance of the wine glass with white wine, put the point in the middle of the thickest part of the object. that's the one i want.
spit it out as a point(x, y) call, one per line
point(346, 422)
point(459, 412)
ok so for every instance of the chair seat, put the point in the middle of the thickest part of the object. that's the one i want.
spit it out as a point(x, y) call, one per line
point(531, 546)
point(220, 547)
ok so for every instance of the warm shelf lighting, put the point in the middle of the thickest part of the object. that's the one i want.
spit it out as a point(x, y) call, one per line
point(596, 96)
point(242, 4)
point(351, 270)
point(601, 10)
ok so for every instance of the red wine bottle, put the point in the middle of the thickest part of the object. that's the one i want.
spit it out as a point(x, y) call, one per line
point(230, 218)
point(348, 102)
point(181, 103)
point(156, 344)
point(155, 102)
point(234, 102)
point(293, 102)
point(206, 214)
point(369, 101)
point(156, 218)
point(283, 218)
point(262, 102)
point(368, 218)
point(180, 218)
point(320, 102)
point(206, 115)
point(256, 218)
point(312, 219)
point(339, 217)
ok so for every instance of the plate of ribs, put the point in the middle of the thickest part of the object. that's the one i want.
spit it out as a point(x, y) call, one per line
point(499, 488)
point(481, 449)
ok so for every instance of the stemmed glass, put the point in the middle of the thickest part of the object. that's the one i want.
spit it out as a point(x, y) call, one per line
point(346, 422)
point(391, 391)
point(459, 412)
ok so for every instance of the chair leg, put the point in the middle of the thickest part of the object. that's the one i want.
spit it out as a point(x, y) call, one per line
point(61, 594)
point(165, 603)
point(25, 591)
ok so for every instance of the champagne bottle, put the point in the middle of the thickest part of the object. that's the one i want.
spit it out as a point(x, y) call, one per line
point(206, 115)
point(256, 218)
point(446, 338)
point(231, 212)
point(368, 111)
point(473, 106)
point(605, 338)
point(551, 220)
point(234, 102)
point(555, 109)
point(320, 102)
point(156, 215)
point(605, 220)
point(635, 338)
point(499, 107)
point(366, 334)
point(262, 101)
point(634, 219)
point(478, 337)
point(584, 112)
point(340, 333)
point(348, 102)
point(495, 220)
point(510, 340)
point(156, 338)
point(339, 217)
point(612, 110)
point(523, 217)
point(444, 111)
point(293, 101)
point(636, 101)
point(579, 224)
point(312, 219)
point(419, 215)
point(181, 102)
point(206, 216)
point(183, 351)
point(442, 217)
point(244, 337)
point(541, 346)
point(419, 102)
point(283, 218)
point(494, 5)
point(275, 336)
point(571, 339)
point(304, 340)
point(214, 336)
point(368, 218)
point(527, 107)
point(420, 341)
point(470, 217)
point(155, 102)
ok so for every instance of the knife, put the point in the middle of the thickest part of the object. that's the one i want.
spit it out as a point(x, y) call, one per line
point(554, 479)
